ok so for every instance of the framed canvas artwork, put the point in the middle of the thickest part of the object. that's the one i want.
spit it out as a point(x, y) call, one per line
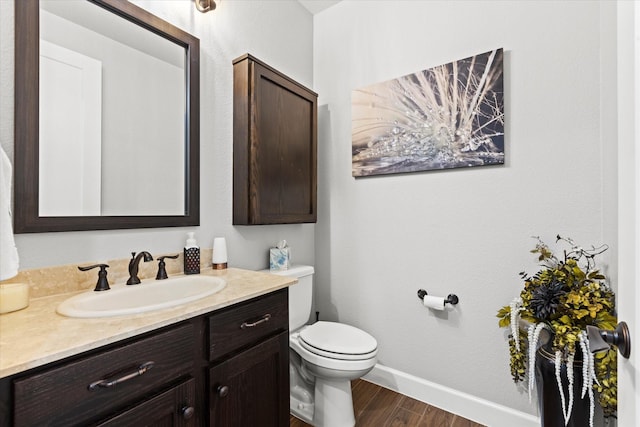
point(449, 116)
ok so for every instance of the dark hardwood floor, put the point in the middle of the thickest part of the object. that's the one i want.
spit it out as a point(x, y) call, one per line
point(376, 406)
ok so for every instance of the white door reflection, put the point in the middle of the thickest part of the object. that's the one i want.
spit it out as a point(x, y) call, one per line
point(70, 132)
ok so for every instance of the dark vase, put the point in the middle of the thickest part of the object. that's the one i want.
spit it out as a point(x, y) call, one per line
point(549, 400)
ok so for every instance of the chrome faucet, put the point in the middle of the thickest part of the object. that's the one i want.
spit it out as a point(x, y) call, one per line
point(134, 264)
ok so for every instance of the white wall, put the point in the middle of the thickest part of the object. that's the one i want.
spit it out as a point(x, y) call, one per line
point(277, 32)
point(465, 231)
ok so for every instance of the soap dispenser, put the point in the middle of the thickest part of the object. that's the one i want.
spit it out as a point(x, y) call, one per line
point(191, 255)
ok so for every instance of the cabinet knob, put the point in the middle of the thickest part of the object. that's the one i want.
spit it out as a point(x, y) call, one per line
point(187, 412)
point(222, 390)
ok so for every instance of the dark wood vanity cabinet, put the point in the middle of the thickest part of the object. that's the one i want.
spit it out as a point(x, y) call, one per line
point(226, 368)
point(274, 146)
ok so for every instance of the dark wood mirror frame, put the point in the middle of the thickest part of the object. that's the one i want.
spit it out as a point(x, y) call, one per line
point(26, 149)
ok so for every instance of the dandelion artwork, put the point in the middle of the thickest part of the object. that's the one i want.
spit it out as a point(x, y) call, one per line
point(449, 116)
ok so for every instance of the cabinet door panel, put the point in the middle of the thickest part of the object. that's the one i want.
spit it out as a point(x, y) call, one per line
point(252, 388)
point(175, 407)
point(284, 160)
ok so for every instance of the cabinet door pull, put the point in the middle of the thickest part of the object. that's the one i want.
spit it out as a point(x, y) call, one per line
point(110, 383)
point(222, 390)
point(263, 319)
point(187, 412)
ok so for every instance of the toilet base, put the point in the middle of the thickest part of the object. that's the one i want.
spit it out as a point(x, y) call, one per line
point(333, 404)
point(301, 409)
point(301, 389)
point(321, 402)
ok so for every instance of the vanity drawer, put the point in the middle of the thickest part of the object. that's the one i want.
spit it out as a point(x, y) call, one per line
point(248, 323)
point(63, 395)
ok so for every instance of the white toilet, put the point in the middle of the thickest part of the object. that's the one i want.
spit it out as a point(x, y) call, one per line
point(323, 359)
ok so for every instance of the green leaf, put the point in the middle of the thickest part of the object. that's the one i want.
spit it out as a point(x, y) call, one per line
point(504, 311)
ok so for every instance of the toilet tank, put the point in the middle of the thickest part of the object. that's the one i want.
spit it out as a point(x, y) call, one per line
point(300, 294)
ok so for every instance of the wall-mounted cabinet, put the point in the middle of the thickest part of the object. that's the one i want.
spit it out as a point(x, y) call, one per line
point(274, 146)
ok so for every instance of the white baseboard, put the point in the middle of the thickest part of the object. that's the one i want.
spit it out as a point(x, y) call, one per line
point(471, 407)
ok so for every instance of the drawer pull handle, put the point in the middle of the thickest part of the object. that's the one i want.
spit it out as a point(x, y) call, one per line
point(110, 383)
point(263, 319)
point(223, 390)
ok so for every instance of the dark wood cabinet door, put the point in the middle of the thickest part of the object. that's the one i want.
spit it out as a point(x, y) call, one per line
point(275, 147)
point(175, 407)
point(252, 388)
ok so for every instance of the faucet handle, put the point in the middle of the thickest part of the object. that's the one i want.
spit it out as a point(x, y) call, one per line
point(162, 271)
point(102, 284)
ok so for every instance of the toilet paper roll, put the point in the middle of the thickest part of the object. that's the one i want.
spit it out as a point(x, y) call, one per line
point(435, 303)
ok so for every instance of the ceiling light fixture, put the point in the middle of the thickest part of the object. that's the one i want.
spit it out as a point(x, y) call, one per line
point(205, 5)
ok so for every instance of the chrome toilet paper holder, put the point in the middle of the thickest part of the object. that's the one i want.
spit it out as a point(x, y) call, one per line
point(451, 298)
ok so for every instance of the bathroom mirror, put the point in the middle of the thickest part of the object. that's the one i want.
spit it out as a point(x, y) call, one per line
point(106, 118)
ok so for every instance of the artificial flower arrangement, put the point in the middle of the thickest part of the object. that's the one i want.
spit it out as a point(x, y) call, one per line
point(565, 296)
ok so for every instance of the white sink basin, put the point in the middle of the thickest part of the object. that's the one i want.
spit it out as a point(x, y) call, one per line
point(147, 296)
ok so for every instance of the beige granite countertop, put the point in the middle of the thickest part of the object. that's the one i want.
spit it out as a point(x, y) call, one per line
point(37, 335)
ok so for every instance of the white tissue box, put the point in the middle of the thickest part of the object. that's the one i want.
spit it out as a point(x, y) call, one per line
point(279, 259)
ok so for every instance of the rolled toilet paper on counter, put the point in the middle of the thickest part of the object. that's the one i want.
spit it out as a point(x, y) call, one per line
point(435, 303)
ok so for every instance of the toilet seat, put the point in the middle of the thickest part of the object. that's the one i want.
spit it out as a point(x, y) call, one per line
point(338, 341)
point(331, 363)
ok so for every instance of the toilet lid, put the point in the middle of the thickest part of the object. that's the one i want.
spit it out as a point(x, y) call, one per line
point(338, 341)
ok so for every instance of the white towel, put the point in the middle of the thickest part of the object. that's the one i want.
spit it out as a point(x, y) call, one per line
point(8, 251)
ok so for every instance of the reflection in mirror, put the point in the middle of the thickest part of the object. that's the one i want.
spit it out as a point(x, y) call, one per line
point(107, 118)
point(112, 104)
